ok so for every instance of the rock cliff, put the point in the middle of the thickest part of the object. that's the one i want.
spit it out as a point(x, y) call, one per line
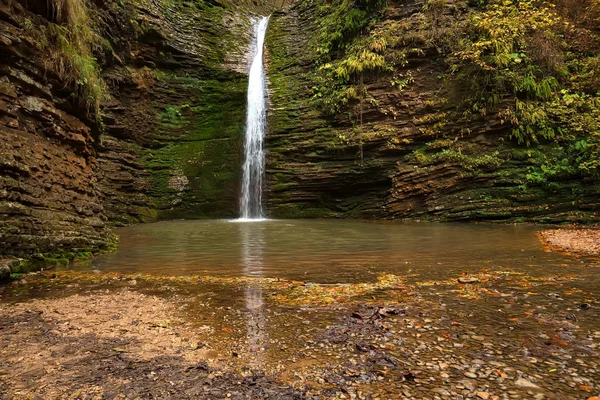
point(164, 144)
point(411, 153)
point(50, 198)
point(165, 141)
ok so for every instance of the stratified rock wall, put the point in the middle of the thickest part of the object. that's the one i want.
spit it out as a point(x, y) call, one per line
point(49, 195)
point(173, 127)
point(167, 142)
point(413, 156)
point(166, 145)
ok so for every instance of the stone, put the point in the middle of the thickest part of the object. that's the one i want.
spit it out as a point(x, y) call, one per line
point(5, 270)
point(524, 383)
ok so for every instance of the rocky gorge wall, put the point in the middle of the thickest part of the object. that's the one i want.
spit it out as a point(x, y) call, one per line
point(412, 154)
point(165, 142)
point(50, 197)
point(174, 123)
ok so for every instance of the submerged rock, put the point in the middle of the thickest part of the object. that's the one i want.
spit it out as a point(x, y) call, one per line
point(470, 279)
point(524, 383)
point(5, 269)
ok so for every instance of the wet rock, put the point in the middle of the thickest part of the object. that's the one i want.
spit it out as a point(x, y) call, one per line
point(5, 270)
point(524, 383)
point(442, 392)
point(356, 316)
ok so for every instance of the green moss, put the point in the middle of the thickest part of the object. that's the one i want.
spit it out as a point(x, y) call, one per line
point(108, 246)
point(298, 211)
point(468, 161)
point(38, 263)
point(196, 172)
point(82, 255)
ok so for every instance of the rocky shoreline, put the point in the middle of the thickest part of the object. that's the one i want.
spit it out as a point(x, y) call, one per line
point(508, 335)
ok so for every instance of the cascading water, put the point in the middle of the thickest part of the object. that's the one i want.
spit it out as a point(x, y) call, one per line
point(256, 122)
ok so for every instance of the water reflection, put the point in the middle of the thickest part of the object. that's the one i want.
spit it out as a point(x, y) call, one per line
point(252, 237)
point(327, 251)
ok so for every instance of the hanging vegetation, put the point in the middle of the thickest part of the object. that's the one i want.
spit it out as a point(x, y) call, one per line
point(70, 42)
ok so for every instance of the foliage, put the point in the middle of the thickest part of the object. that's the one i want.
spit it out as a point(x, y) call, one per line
point(339, 81)
point(512, 60)
point(341, 21)
point(532, 65)
point(70, 43)
point(494, 59)
point(584, 13)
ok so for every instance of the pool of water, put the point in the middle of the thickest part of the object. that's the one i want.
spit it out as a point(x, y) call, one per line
point(540, 321)
point(327, 250)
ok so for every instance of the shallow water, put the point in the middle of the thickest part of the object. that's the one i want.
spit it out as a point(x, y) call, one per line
point(532, 314)
point(328, 250)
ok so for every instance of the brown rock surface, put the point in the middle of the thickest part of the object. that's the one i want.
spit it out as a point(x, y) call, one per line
point(49, 196)
point(64, 176)
point(411, 155)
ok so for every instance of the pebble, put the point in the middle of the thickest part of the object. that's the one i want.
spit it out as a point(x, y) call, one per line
point(522, 382)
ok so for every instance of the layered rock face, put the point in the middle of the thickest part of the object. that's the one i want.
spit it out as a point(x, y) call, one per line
point(167, 144)
point(410, 155)
point(173, 126)
point(50, 201)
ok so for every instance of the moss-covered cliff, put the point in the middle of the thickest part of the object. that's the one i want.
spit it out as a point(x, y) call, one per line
point(116, 113)
point(446, 110)
point(171, 145)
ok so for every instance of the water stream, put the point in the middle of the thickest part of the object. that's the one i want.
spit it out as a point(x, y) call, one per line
point(256, 121)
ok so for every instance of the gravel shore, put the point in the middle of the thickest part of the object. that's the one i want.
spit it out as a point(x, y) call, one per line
point(580, 241)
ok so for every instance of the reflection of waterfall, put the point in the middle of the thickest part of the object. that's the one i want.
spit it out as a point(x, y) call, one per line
point(253, 242)
point(256, 121)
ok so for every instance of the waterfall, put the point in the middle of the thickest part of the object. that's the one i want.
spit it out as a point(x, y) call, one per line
point(256, 123)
